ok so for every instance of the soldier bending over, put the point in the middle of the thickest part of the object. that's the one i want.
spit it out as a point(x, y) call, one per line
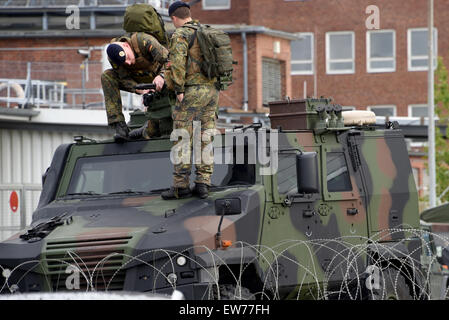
point(135, 58)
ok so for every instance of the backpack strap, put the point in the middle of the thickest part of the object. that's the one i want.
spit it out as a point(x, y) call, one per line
point(136, 41)
point(166, 41)
point(192, 39)
point(191, 42)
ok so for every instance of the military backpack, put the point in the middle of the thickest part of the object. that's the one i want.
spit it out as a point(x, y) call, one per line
point(144, 18)
point(216, 51)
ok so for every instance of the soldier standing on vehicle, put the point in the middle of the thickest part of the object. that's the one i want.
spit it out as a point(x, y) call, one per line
point(197, 98)
point(135, 58)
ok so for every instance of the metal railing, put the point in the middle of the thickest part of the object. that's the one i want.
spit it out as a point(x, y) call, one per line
point(50, 85)
point(41, 93)
point(35, 85)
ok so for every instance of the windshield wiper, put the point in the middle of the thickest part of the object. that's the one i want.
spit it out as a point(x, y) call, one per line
point(88, 193)
point(159, 190)
point(41, 230)
point(129, 191)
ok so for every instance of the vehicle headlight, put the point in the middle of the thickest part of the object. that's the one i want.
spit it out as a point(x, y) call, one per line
point(172, 278)
point(181, 261)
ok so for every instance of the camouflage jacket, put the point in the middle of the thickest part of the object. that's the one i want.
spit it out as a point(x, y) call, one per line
point(151, 57)
point(182, 71)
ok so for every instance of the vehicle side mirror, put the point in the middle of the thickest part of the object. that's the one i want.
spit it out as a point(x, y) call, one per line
point(228, 206)
point(307, 172)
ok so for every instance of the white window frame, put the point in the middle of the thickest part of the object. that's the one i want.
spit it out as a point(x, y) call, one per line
point(305, 61)
point(410, 107)
point(205, 7)
point(370, 108)
point(368, 53)
point(409, 50)
point(328, 60)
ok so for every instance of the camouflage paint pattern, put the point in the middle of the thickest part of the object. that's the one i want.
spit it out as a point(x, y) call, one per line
point(288, 229)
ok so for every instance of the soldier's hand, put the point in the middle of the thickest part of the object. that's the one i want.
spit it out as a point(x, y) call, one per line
point(142, 91)
point(180, 97)
point(159, 82)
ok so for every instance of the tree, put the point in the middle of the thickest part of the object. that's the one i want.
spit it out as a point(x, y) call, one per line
point(441, 142)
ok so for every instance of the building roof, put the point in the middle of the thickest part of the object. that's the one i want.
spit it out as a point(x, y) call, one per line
point(108, 33)
point(239, 28)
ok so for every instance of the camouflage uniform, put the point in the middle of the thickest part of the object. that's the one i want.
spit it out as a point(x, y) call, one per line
point(200, 98)
point(150, 59)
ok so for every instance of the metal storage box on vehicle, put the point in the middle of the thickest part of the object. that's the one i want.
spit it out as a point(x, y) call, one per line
point(299, 114)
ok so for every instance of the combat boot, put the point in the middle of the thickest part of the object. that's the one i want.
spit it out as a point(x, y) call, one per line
point(121, 132)
point(176, 193)
point(139, 133)
point(201, 190)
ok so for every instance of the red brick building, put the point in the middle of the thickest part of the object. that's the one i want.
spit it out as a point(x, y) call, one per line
point(382, 69)
point(338, 55)
point(283, 47)
point(385, 67)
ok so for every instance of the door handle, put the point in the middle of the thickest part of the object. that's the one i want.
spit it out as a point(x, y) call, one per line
point(352, 211)
point(308, 213)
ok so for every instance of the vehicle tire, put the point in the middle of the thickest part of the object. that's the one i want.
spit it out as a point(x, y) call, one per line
point(232, 292)
point(392, 286)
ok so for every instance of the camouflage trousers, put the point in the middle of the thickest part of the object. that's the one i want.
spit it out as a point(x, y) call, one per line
point(112, 82)
point(200, 103)
point(158, 128)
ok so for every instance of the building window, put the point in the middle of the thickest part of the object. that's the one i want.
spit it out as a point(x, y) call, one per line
point(418, 110)
point(383, 111)
point(59, 22)
point(108, 21)
point(340, 52)
point(216, 4)
point(12, 22)
point(348, 108)
point(302, 54)
point(418, 51)
point(381, 51)
point(271, 80)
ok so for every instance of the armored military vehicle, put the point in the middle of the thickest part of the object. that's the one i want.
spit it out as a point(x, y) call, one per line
point(311, 208)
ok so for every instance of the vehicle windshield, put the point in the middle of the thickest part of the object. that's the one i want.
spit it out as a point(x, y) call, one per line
point(143, 173)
